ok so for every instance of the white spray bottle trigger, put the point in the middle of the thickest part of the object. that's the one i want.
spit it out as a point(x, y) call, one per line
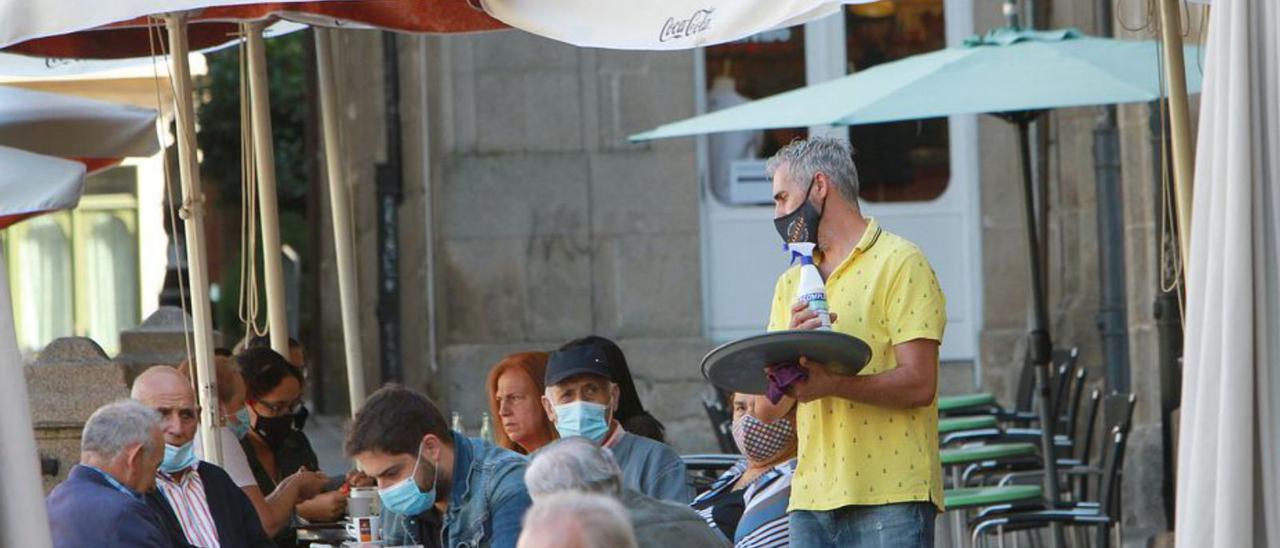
point(811, 289)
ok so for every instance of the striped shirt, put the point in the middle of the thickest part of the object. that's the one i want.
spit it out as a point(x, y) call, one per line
point(187, 498)
point(764, 522)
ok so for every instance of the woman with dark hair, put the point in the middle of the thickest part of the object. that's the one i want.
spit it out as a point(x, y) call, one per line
point(515, 387)
point(630, 414)
point(275, 449)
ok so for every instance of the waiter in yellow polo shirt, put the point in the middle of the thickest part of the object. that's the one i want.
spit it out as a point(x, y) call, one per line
point(868, 471)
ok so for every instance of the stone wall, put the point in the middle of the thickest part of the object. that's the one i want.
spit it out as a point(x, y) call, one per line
point(528, 214)
point(69, 380)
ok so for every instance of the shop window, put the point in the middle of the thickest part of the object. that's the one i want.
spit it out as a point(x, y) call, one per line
point(897, 161)
point(766, 64)
point(76, 272)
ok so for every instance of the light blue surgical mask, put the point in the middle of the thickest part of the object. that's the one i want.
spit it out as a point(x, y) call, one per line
point(582, 418)
point(405, 498)
point(240, 426)
point(178, 458)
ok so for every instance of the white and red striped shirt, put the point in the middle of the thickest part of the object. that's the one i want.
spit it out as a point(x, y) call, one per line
point(186, 497)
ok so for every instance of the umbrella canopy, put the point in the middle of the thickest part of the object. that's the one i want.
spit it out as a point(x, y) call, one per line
point(1004, 71)
point(34, 183)
point(215, 23)
point(656, 24)
point(74, 127)
point(120, 27)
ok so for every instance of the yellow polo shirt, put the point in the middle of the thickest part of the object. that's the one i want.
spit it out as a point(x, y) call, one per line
point(852, 453)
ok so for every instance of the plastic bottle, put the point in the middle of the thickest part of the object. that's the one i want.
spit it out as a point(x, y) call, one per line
point(486, 427)
point(811, 289)
point(456, 424)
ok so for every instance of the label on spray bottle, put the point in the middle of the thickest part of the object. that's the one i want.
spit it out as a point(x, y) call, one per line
point(811, 290)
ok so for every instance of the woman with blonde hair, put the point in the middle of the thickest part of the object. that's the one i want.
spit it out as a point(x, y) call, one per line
point(515, 387)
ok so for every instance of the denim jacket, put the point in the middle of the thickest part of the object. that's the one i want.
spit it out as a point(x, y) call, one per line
point(486, 502)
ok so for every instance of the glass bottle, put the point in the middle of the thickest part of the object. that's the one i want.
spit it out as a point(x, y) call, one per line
point(456, 424)
point(486, 427)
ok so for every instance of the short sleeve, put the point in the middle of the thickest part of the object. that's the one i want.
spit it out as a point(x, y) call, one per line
point(233, 459)
point(916, 308)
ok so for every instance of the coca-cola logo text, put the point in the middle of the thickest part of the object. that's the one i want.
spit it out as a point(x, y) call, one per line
point(675, 29)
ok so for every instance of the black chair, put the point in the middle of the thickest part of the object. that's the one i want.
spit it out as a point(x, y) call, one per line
point(721, 417)
point(705, 468)
point(1103, 513)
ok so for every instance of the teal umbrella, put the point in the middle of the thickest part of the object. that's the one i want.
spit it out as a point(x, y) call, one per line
point(1005, 71)
point(1013, 73)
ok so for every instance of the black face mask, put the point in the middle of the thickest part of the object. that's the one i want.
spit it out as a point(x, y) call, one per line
point(274, 430)
point(801, 225)
point(300, 418)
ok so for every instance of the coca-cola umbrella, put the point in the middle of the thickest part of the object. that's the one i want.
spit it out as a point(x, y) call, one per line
point(131, 28)
point(128, 29)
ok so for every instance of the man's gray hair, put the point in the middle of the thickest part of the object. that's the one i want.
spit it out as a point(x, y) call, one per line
point(804, 159)
point(115, 427)
point(573, 464)
point(601, 521)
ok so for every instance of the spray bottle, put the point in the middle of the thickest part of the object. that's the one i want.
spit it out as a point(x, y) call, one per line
point(811, 289)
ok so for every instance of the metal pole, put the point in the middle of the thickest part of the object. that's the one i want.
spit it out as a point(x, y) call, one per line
point(390, 176)
point(340, 206)
point(23, 520)
point(1179, 120)
point(268, 210)
point(192, 213)
point(1113, 316)
point(1039, 344)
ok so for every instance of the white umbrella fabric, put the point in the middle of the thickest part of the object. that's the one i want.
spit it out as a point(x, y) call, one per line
point(1228, 488)
point(656, 24)
point(30, 184)
point(75, 127)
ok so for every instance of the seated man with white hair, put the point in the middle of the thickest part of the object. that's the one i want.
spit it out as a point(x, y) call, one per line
point(578, 464)
point(101, 502)
point(577, 520)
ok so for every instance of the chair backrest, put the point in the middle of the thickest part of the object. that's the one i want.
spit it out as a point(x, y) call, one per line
point(1090, 424)
point(1064, 369)
point(1073, 406)
point(1119, 408)
point(1025, 397)
point(721, 417)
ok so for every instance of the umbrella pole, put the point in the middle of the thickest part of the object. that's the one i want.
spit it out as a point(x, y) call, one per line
point(192, 213)
point(1179, 121)
point(1039, 344)
point(340, 207)
point(23, 523)
point(268, 209)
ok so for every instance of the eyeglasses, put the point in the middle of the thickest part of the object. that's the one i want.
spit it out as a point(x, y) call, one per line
point(276, 409)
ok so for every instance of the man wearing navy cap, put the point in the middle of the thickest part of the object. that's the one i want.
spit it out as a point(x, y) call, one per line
point(581, 399)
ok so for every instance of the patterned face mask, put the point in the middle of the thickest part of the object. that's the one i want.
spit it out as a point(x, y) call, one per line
point(762, 442)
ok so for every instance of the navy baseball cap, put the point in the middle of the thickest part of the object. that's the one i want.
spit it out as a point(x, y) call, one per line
point(578, 360)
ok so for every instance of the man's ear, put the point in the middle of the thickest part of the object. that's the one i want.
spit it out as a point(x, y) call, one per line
point(548, 408)
point(615, 398)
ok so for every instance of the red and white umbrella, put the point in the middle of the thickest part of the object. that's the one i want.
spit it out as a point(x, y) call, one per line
point(31, 184)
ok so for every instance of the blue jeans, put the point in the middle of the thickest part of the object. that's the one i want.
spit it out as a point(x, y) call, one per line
point(902, 525)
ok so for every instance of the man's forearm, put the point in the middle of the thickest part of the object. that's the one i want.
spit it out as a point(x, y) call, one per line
point(898, 388)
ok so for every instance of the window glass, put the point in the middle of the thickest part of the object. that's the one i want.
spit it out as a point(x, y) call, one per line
point(42, 282)
point(897, 161)
point(110, 295)
point(765, 64)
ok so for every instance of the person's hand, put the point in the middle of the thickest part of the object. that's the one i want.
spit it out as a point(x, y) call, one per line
point(820, 384)
point(309, 483)
point(802, 317)
point(356, 478)
point(324, 508)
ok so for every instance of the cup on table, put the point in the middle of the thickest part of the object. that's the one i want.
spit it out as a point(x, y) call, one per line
point(364, 529)
point(362, 502)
